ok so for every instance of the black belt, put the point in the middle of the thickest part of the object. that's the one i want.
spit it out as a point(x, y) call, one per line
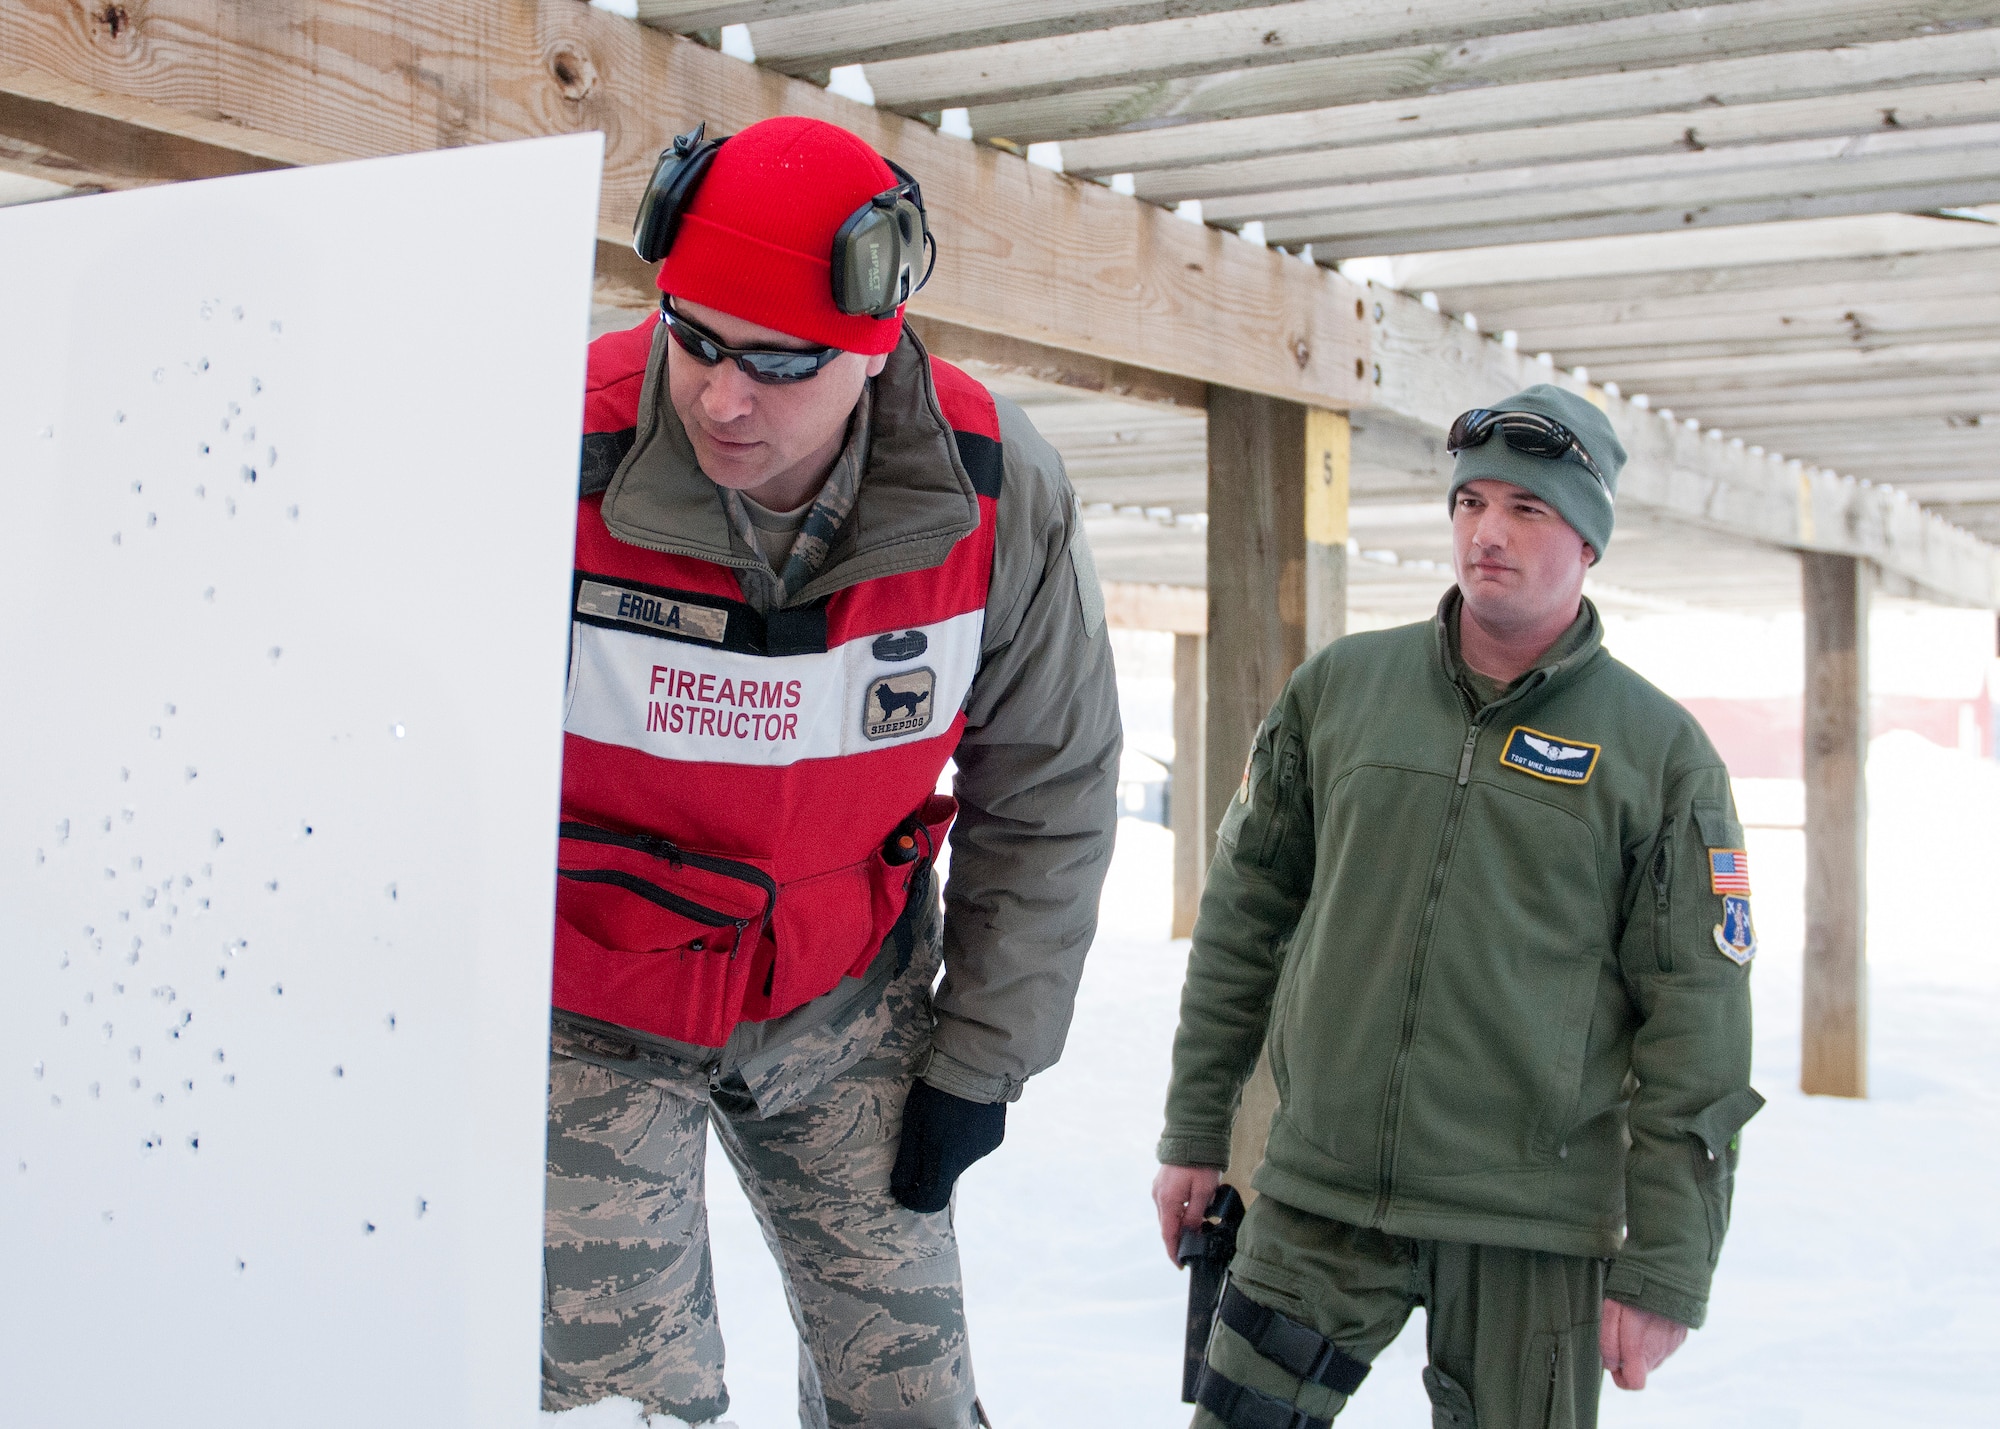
point(1291, 1346)
point(1241, 1407)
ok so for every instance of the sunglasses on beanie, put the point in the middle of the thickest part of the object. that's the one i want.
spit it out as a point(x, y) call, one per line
point(1528, 432)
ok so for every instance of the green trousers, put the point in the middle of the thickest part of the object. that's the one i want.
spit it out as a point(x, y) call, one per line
point(1512, 1334)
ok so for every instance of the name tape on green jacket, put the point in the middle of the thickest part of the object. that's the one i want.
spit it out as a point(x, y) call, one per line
point(1546, 756)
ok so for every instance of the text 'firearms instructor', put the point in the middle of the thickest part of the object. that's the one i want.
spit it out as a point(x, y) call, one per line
point(813, 565)
point(1485, 889)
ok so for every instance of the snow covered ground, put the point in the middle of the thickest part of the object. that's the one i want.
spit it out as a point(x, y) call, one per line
point(1858, 1284)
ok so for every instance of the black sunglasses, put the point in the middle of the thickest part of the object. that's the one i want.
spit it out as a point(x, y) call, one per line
point(1527, 432)
point(762, 364)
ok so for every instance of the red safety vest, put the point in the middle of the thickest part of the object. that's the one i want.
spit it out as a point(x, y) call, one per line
point(730, 780)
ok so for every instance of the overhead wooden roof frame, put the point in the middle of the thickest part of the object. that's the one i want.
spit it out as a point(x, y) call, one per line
point(116, 93)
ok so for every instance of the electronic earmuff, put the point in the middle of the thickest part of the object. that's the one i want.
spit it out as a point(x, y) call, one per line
point(874, 251)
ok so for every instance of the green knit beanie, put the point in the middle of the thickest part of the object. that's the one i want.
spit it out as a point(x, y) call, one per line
point(1565, 483)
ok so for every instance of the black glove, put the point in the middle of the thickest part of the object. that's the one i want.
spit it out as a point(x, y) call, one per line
point(942, 1135)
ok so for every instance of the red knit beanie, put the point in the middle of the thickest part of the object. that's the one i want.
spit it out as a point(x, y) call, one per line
point(757, 242)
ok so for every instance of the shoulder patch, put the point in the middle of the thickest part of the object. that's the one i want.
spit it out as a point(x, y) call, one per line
point(982, 461)
point(1089, 589)
point(1735, 939)
point(603, 454)
point(1548, 756)
point(1729, 871)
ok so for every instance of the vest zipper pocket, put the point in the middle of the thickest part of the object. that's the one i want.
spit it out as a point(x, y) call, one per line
point(717, 872)
point(676, 856)
point(653, 893)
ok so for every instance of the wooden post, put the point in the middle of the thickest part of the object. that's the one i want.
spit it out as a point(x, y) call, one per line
point(1190, 792)
point(1257, 611)
point(1256, 575)
point(1834, 1059)
point(1327, 446)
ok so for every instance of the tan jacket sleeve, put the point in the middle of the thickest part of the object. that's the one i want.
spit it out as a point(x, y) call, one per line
point(1037, 790)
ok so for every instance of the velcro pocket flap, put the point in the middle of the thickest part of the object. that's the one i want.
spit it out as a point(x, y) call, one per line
point(1717, 1124)
point(1718, 829)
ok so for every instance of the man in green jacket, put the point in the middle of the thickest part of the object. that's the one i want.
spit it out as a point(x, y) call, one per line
point(1483, 896)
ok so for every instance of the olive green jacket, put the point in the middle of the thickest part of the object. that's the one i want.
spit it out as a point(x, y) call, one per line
point(1498, 1009)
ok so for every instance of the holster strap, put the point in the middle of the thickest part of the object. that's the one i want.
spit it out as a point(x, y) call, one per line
point(1291, 1346)
point(1241, 1407)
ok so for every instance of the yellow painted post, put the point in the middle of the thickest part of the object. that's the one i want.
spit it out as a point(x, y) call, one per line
point(1328, 452)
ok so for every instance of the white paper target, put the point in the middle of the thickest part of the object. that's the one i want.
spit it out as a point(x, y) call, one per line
point(287, 493)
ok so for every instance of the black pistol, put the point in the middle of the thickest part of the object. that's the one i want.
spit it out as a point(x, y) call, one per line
point(1206, 1252)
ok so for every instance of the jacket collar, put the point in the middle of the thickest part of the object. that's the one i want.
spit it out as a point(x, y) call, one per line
point(912, 503)
point(1560, 665)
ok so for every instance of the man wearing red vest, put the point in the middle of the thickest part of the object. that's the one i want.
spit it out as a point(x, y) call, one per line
point(813, 564)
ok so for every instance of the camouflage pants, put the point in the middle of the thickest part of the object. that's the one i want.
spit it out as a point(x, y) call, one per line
point(873, 1287)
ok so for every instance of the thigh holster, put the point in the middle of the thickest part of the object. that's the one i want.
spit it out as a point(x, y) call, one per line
point(1295, 1348)
point(1241, 1407)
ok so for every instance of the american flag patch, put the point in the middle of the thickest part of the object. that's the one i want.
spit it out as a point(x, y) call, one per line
point(1729, 871)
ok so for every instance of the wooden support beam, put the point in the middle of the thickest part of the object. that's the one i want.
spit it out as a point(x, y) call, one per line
point(1834, 1060)
point(691, 15)
point(1257, 614)
point(1889, 172)
point(1008, 98)
point(1964, 57)
point(893, 29)
point(1674, 375)
point(1256, 573)
point(1502, 193)
point(992, 352)
point(90, 152)
point(1628, 136)
point(307, 81)
point(1757, 285)
point(1188, 810)
point(1273, 39)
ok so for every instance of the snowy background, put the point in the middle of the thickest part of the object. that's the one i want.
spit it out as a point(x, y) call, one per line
point(1857, 1285)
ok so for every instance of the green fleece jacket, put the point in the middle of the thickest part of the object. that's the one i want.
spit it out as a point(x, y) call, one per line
point(1507, 995)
